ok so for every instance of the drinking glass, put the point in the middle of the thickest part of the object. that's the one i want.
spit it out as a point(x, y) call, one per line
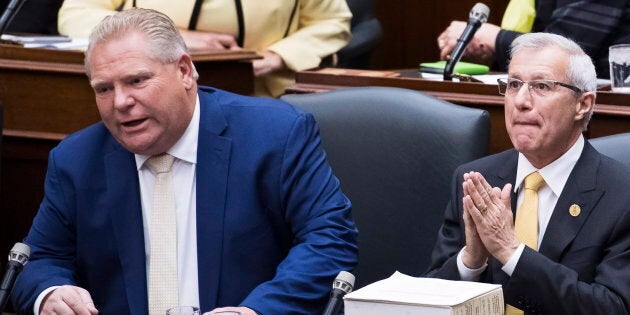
point(619, 58)
point(183, 310)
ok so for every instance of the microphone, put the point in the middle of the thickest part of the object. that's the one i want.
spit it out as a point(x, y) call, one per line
point(9, 13)
point(341, 286)
point(477, 16)
point(18, 256)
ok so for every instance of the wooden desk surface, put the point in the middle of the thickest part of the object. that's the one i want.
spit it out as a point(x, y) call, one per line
point(45, 95)
point(611, 113)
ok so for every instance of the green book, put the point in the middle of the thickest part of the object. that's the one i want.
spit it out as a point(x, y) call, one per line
point(460, 68)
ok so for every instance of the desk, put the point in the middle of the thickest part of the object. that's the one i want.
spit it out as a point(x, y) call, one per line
point(45, 95)
point(611, 113)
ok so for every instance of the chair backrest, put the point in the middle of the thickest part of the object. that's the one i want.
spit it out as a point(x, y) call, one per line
point(615, 146)
point(395, 151)
point(366, 33)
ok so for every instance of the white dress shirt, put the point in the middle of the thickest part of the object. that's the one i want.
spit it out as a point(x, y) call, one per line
point(184, 184)
point(555, 175)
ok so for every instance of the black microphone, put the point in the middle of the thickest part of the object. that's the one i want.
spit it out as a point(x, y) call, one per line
point(9, 13)
point(477, 16)
point(341, 286)
point(18, 256)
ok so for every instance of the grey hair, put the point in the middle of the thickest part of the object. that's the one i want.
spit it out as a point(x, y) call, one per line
point(165, 42)
point(581, 70)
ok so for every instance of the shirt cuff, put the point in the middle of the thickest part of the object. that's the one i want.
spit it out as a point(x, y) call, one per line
point(40, 298)
point(466, 273)
point(510, 265)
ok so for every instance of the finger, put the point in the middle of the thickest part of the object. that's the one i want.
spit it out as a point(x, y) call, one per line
point(476, 196)
point(227, 41)
point(87, 300)
point(495, 198)
point(506, 194)
point(483, 187)
point(473, 211)
point(484, 182)
point(59, 308)
point(480, 183)
point(75, 303)
point(469, 224)
point(216, 45)
point(443, 53)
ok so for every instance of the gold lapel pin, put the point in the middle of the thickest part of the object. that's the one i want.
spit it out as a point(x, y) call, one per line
point(574, 210)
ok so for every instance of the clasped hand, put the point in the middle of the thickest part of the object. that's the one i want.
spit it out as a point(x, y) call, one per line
point(199, 40)
point(481, 48)
point(488, 221)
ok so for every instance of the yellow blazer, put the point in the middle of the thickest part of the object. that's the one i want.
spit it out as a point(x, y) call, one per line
point(318, 29)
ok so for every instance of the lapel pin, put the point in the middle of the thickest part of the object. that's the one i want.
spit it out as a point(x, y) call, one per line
point(574, 210)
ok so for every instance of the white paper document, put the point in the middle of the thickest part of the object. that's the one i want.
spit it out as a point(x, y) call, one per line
point(53, 42)
point(402, 294)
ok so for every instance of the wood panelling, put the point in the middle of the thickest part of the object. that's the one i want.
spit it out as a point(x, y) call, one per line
point(411, 28)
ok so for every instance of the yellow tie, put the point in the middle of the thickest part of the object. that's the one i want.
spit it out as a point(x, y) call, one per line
point(526, 226)
point(519, 16)
point(163, 289)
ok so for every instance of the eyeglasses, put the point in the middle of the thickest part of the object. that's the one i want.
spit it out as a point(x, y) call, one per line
point(543, 88)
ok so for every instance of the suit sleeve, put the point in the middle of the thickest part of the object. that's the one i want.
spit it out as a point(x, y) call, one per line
point(451, 238)
point(589, 23)
point(52, 243)
point(319, 216)
point(323, 27)
point(558, 289)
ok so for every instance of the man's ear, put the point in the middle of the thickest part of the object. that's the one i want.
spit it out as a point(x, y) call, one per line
point(586, 101)
point(187, 71)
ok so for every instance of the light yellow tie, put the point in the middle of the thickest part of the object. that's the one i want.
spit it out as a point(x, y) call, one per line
point(526, 226)
point(519, 16)
point(163, 290)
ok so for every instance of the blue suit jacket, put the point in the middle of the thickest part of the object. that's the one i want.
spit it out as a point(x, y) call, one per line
point(583, 263)
point(273, 227)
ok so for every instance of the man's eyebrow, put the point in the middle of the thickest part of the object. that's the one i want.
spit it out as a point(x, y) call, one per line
point(95, 83)
point(144, 73)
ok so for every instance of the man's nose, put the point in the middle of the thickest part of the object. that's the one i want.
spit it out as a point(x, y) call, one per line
point(523, 97)
point(122, 98)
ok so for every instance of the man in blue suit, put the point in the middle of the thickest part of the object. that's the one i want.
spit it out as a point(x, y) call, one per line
point(574, 255)
point(261, 224)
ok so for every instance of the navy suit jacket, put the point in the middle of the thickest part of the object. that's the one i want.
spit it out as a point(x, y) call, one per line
point(583, 263)
point(273, 227)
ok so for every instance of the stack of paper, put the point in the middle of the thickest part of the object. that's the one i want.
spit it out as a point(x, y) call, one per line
point(402, 295)
point(47, 41)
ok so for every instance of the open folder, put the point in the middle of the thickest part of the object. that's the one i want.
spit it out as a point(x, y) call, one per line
point(460, 68)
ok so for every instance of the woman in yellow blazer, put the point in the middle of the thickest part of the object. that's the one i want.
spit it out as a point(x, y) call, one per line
point(291, 35)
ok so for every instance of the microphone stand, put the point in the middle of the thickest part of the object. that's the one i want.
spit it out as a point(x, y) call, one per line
point(7, 16)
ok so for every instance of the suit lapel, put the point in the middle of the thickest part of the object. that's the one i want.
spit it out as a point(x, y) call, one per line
point(580, 190)
point(213, 159)
point(123, 195)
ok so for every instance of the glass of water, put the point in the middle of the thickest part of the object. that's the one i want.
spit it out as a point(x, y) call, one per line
point(183, 310)
point(619, 57)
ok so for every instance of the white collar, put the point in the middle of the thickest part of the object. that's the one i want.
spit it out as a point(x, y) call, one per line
point(556, 173)
point(186, 147)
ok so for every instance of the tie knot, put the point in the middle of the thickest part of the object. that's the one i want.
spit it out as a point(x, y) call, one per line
point(534, 181)
point(160, 163)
